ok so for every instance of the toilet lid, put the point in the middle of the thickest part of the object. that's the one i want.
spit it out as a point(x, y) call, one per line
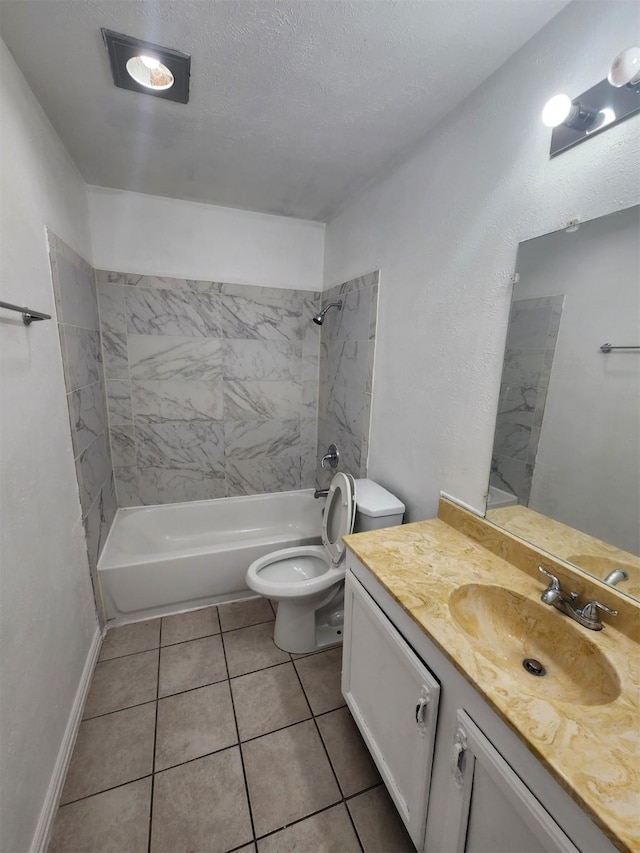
point(339, 515)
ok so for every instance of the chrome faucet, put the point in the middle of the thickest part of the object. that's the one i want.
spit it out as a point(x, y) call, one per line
point(616, 576)
point(588, 616)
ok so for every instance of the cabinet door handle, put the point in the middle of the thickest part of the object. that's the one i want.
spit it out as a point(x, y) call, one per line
point(421, 709)
point(457, 757)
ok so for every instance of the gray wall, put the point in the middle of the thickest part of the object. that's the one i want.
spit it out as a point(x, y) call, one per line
point(212, 388)
point(346, 374)
point(78, 325)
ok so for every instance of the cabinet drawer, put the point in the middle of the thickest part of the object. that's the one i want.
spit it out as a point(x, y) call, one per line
point(394, 700)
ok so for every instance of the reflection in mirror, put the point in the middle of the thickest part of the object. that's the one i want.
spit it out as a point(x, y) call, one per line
point(565, 469)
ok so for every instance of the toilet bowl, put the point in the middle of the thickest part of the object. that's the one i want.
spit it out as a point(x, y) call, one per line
point(308, 582)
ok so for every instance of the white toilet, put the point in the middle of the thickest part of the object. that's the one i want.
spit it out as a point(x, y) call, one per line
point(308, 582)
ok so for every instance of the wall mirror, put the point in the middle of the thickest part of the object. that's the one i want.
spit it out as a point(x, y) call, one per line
point(565, 469)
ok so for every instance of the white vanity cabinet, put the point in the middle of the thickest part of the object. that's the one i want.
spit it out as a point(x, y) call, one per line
point(473, 787)
point(394, 699)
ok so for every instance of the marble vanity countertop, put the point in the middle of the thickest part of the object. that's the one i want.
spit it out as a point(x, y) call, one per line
point(592, 750)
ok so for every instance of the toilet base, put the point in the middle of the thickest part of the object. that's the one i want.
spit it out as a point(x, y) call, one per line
point(299, 629)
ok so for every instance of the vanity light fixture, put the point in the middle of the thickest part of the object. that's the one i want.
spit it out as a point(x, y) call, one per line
point(607, 103)
point(147, 68)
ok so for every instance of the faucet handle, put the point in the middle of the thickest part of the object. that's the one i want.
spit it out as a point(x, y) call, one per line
point(590, 610)
point(555, 583)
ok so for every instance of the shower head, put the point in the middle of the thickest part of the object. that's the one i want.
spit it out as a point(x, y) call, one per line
point(319, 318)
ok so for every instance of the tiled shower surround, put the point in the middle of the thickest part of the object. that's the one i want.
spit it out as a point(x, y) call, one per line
point(77, 313)
point(531, 340)
point(346, 374)
point(212, 388)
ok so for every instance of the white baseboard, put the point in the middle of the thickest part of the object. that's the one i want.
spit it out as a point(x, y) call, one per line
point(47, 815)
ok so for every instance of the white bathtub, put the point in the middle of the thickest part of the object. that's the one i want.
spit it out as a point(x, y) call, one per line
point(166, 559)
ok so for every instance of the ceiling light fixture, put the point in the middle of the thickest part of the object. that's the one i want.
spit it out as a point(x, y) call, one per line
point(607, 103)
point(150, 69)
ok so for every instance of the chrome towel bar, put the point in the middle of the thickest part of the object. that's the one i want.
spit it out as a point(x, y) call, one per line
point(609, 347)
point(28, 314)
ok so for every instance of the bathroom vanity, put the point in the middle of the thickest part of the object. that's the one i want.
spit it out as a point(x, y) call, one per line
point(477, 753)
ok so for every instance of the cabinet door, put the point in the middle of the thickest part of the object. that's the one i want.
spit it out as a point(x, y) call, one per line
point(394, 700)
point(495, 811)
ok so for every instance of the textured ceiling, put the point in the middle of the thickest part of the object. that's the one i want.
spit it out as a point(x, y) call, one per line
point(295, 106)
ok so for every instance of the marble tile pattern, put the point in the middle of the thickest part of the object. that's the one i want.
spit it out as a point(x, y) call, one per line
point(531, 340)
point(347, 350)
point(212, 388)
point(590, 750)
point(84, 359)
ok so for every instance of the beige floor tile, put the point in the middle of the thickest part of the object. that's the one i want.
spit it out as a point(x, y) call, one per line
point(288, 776)
point(249, 848)
point(328, 832)
point(194, 724)
point(190, 626)
point(249, 649)
point(121, 683)
point(351, 760)
point(241, 614)
point(190, 665)
point(201, 806)
point(378, 824)
point(320, 675)
point(110, 751)
point(115, 821)
point(130, 639)
point(267, 700)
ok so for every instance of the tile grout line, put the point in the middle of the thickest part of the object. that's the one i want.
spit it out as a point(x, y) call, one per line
point(320, 811)
point(235, 720)
point(155, 741)
point(179, 642)
point(343, 799)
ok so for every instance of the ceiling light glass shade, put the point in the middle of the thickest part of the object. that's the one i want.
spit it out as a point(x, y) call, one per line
point(150, 62)
point(625, 68)
point(158, 78)
point(557, 110)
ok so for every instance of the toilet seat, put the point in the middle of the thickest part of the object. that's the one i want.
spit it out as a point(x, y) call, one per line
point(339, 515)
point(311, 569)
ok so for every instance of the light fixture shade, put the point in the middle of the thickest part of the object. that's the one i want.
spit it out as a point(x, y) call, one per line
point(156, 77)
point(625, 68)
point(556, 110)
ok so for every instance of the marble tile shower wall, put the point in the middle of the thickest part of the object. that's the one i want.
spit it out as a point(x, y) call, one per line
point(211, 388)
point(77, 313)
point(532, 334)
point(347, 350)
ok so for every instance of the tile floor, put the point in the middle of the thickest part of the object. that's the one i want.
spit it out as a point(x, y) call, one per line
point(199, 734)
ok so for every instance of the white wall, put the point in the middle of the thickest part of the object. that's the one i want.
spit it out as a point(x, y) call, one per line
point(47, 614)
point(151, 235)
point(444, 227)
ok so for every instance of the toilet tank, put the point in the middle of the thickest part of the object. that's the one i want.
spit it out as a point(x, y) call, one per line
point(376, 507)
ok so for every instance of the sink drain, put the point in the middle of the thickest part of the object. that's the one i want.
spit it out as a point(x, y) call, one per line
point(534, 666)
